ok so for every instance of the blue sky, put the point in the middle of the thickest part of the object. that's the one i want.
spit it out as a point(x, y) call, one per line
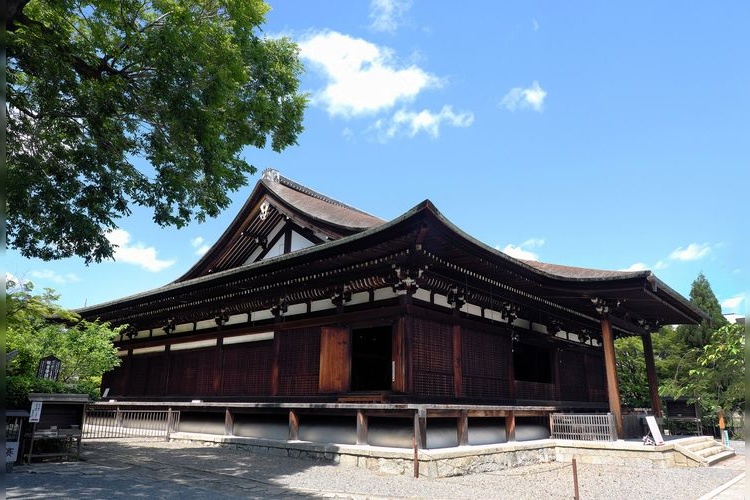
point(579, 133)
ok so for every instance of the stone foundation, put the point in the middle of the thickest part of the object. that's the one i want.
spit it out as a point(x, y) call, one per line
point(455, 461)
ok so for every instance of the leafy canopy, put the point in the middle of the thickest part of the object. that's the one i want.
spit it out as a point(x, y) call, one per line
point(96, 87)
point(703, 296)
point(37, 327)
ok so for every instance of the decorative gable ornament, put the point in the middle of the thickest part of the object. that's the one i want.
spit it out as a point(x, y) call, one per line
point(264, 207)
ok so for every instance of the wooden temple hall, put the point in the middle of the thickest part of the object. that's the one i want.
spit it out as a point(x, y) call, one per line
point(311, 320)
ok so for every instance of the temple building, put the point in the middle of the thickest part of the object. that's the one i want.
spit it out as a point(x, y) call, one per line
point(308, 306)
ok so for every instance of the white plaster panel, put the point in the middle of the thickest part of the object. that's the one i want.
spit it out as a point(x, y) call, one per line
point(385, 293)
point(296, 309)
point(183, 327)
point(441, 300)
point(146, 350)
point(359, 298)
point(122, 353)
point(473, 310)
point(237, 318)
point(320, 305)
point(422, 294)
point(261, 315)
point(205, 324)
point(193, 345)
point(253, 337)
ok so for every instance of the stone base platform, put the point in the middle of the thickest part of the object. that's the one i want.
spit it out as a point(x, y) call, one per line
point(459, 460)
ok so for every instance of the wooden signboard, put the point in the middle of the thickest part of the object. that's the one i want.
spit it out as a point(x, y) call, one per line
point(655, 432)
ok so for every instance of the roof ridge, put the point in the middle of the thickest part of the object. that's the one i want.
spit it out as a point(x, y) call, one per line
point(273, 175)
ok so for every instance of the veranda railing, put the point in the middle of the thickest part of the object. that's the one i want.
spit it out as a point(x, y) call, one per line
point(116, 423)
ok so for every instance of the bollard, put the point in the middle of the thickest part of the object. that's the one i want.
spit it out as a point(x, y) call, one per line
point(575, 480)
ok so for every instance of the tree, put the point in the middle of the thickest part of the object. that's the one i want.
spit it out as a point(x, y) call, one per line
point(719, 376)
point(37, 327)
point(631, 372)
point(96, 87)
point(703, 296)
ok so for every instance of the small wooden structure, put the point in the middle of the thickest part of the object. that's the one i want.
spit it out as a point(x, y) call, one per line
point(305, 300)
point(57, 433)
point(683, 417)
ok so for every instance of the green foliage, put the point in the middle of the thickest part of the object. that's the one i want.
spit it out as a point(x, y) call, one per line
point(719, 376)
point(37, 327)
point(631, 372)
point(96, 87)
point(703, 296)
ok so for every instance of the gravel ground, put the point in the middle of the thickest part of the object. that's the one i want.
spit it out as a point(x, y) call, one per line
point(186, 470)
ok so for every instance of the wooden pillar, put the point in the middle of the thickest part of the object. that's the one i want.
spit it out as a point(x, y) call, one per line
point(462, 430)
point(420, 428)
point(293, 426)
point(510, 426)
point(457, 370)
point(613, 390)
point(274, 385)
point(361, 427)
point(167, 369)
point(218, 366)
point(511, 370)
point(653, 386)
point(228, 423)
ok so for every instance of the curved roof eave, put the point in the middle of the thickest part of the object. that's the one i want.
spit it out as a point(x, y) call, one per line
point(539, 272)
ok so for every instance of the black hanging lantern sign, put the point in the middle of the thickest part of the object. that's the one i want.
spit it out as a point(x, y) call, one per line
point(49, 368)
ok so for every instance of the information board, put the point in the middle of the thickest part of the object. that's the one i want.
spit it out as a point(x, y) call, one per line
point(654, 428)
point(36, 411)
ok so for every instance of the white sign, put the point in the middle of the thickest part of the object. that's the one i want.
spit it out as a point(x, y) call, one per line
point(654, 428)
point(36, 411)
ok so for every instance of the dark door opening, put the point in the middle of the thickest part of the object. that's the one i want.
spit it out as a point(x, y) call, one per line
point(371, 359)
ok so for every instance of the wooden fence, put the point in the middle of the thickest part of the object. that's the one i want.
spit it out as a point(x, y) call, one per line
point(116, 423)
point(597, 427)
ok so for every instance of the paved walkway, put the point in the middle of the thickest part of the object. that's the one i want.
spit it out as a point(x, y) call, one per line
point(150, 469)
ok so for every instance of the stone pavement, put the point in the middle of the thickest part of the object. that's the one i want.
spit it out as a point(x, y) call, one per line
point(151, 469)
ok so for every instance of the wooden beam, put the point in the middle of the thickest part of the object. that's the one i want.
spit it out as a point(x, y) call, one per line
point(653, 386)
point(361, 427)
point(610, 368)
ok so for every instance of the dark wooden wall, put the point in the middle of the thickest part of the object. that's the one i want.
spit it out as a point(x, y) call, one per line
point(485, 365)
point(450, 360)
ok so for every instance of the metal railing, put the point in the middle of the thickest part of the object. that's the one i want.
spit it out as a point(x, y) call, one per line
point(115, 423)
point(597, 427)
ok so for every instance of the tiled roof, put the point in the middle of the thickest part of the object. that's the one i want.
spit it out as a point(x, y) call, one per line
point(317, 205)
point(572, 272)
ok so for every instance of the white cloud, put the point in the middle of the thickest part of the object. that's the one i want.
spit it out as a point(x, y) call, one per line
point(522, 98)
point(638, 266)
point(200, 246)
point(49, 275)
point(522, 251)
point(660, 265)
point(362, 78)
point(694, 251)
point(387, 15)
point(535, 24)
point(138, 254)
point(733, 303)
point(411, 123)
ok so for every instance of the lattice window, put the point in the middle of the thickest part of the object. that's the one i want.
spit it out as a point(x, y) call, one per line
point(433, 358)
point(484, 365)
point(191, 373)
point(299, 362)
point(247, 369)
point(573, 375)
point(596, 377)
